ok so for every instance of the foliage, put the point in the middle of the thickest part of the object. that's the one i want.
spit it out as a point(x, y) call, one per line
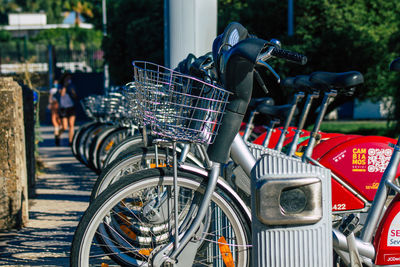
point(135, 32)
point(230, 10)
point(69, 38)
point(80, 8)
point(336, 36)
point(62, 37)
point(53, 9)
point(97, 19)
point(6, 6)
point(5, 36)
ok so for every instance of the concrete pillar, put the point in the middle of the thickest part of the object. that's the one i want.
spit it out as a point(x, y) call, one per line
point(192, 28)
point(13, 174)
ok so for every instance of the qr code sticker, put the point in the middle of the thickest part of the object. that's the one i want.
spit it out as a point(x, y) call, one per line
point(378, 159)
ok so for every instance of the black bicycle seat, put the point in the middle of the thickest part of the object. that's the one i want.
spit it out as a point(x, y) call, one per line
point(288, 82)
point(254, 102)
point(337, 80)
point(303, 82)
point(275, 111)
point(395, 65)
point(300, 83)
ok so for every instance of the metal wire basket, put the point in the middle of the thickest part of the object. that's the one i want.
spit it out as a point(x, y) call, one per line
point(176, 106)
point(129, 91)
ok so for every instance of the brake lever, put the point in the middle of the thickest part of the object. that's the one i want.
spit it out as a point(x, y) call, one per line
point(273, 43)
point(264, 64)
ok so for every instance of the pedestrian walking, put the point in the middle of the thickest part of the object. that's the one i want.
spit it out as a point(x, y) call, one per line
point(53, 107)
point(66, 97)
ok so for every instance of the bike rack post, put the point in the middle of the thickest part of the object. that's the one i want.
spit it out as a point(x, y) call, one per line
point(176, 192)
point(297, 97)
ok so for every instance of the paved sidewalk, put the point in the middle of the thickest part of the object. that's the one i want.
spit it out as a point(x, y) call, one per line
point(63, 190)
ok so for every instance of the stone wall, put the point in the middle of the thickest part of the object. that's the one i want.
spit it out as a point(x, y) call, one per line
point(13, 173)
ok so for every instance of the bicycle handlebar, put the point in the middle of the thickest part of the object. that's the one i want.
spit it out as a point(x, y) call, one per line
point(289, 55)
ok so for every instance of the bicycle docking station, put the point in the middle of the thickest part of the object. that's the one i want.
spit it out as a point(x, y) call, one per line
point(291, 213)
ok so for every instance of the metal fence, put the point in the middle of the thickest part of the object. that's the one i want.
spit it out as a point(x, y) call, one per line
point(20, 56)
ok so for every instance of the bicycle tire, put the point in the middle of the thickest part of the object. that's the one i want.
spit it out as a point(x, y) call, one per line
point(81, 141)
point(126, 145)
point(89, 139)
point(108, 143)
point(77, 133)
point(95, 145)
point(92, 231)
point(81, 135)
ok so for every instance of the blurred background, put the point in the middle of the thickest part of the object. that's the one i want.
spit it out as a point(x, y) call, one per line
point(97, 40)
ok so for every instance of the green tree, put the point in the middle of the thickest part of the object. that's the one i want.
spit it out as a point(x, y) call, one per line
point(53, 9)
point(230, 10)
point(5, 36)
point(79, 8)
point(6, 7)
point(134, 32)
point(336, 35)
point(62, 37)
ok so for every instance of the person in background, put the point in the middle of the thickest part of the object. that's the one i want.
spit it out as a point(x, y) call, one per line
point(53, 107)
point(66, 98)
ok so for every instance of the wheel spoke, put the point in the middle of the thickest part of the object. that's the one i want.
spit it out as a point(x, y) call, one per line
point(141, 221)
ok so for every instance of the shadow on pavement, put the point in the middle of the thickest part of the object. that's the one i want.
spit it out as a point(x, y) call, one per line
point(62, 195)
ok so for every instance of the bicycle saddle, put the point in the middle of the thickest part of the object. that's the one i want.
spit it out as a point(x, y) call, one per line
point(288, 82)
point(395, 65)
point(280, 112)
point(303, 82)
point(254, 102)
point(300, 83)
point(337, 80)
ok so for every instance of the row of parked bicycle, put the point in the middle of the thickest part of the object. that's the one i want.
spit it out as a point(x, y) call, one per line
point(184, 181)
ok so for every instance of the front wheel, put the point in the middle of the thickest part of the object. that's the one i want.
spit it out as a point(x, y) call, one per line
point(134, 217)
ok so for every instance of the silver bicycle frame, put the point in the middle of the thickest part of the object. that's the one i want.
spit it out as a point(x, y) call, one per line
point(242, 155)
point(170, 253)
point(378, 204)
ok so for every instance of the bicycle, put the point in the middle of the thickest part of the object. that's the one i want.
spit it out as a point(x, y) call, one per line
point(235, 211)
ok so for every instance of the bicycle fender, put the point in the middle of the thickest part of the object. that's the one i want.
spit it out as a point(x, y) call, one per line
point(387, 238)
point(326, 145)
point(360, 163)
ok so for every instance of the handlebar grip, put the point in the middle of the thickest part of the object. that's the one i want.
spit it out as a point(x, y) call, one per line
point(289, 55)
